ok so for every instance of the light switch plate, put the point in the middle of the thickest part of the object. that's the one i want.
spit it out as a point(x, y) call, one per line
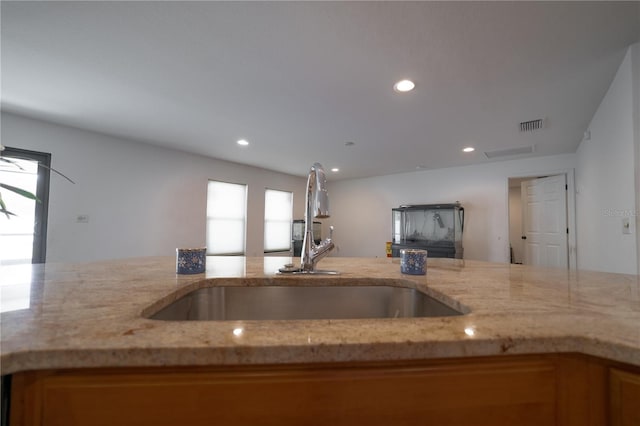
point(626, 227)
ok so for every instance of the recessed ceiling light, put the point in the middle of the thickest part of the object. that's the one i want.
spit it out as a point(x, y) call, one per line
point(243, 142)
point(468, 149)
point(335, 170)
point(404, 86)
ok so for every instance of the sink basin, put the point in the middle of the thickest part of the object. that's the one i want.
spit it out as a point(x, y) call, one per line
point(309, 302)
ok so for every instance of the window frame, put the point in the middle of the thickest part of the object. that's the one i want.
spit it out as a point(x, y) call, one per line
point(39, 252)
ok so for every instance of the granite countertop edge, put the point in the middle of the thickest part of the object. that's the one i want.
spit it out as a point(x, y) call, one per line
point(90, 316)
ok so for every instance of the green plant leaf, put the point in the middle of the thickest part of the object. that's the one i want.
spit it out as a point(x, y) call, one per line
point(19, 191)
point(6, 160)
point(57, 172)
point(7, 213)
point(3, 207)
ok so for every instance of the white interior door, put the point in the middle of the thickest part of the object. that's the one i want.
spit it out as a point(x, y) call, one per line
point(544, 222)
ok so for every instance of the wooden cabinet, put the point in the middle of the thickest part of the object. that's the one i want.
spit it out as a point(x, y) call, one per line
point(512, 390)
point(624, 398)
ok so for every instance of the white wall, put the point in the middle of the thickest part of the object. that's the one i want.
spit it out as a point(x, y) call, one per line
point(361, 208)
point(605, 179)
point(141, 200)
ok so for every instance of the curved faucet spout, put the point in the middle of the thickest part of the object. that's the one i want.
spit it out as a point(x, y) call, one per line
point(317, 206)
point(317, 191)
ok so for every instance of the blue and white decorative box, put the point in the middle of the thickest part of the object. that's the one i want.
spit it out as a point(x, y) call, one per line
point(413, 261)
point(191, 261)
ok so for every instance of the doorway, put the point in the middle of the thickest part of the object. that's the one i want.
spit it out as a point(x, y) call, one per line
point(24, 233)
point(542, 220)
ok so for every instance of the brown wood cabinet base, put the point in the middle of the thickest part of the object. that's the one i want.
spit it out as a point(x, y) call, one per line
point(510, 390)
point(625, 398)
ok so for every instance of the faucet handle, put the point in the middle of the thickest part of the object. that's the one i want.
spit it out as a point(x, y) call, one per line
point(331, 232)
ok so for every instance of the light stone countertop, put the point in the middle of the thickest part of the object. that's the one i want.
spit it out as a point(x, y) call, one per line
point(90, 315)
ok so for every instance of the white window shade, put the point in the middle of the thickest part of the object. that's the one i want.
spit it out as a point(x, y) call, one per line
point(226, 218)
point(278, 214)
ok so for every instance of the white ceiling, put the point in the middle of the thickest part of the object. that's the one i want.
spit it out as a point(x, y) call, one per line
point(299, 79)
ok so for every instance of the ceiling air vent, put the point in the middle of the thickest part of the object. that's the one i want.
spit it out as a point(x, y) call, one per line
point(510, 151)
point(530, 126)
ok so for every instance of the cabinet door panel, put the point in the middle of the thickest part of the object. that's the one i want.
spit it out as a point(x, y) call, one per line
point(461, 393)
point(625, 398)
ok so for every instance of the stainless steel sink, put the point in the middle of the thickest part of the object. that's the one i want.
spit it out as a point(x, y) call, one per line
point(293, 302)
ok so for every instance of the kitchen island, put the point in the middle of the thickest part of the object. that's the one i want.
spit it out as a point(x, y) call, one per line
point(541, 341)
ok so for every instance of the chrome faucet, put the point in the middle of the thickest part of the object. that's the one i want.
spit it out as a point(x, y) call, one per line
point(317, 202)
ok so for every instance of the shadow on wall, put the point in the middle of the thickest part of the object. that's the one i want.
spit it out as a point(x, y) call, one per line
point(476, 234)
point(362, 221)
